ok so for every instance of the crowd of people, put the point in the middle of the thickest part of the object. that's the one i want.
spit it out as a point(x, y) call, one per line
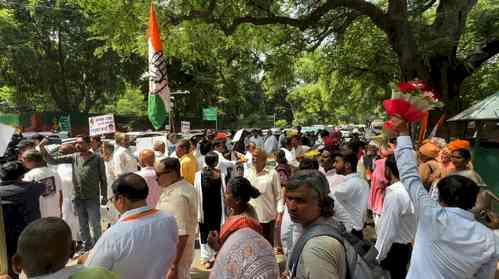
point(95, 209)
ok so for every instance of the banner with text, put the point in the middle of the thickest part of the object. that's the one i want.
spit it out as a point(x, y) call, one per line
point(186, 127)
point(100, 125)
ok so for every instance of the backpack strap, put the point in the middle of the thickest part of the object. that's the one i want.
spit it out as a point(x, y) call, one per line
point(314, 231)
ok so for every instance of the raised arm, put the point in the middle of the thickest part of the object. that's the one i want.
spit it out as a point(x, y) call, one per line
point(66, 159)
point(407, 165)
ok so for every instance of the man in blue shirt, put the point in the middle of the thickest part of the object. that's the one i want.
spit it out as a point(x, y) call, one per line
point(450, 243)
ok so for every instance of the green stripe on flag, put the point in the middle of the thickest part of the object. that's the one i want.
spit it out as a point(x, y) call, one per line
point(156, 111)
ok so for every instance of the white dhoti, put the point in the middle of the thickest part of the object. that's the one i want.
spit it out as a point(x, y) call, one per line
point(69, 216)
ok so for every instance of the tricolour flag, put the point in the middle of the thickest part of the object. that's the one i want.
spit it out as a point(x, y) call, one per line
point(159, 92)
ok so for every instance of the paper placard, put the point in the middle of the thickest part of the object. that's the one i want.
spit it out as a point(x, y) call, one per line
point(100, 125)
point(186, 127)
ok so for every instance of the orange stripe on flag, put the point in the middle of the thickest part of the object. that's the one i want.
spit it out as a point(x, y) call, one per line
point(154, 30)
point(424, 126)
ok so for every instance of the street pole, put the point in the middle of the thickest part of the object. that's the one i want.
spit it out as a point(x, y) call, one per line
point(171, 111)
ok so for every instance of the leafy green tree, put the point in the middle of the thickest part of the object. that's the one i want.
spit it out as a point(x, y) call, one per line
point(49, 58)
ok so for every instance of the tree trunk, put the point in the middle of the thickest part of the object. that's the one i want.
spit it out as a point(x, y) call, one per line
point(447, 82)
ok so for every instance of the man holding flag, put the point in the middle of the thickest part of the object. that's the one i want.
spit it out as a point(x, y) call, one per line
point(159, 92)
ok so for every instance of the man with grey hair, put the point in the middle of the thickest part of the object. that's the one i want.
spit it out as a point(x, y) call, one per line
point(310, 206)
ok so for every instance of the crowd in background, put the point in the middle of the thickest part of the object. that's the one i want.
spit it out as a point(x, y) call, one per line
point(246, 198)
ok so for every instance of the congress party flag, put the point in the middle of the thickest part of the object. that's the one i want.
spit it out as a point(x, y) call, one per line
point(159, 92)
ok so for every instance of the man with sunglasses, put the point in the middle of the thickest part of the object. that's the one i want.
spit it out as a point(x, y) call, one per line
point(142, 243)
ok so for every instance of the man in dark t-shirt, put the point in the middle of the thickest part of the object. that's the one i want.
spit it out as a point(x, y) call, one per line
point(20, 203)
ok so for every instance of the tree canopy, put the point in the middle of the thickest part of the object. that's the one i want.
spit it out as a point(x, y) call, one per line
point(301, 62)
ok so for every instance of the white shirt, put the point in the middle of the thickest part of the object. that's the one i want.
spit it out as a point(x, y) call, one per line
point(110, 177)
point(49, 200)
point(270, 202)
point(290, 157)
point(333, 179)
point(223, 164)
point(450, 243)
point(123, 161)
point(398, 222)
point(65, 172)
point(140, 248)
point(351, 202)
point(160, 156)
point(201, 163)
point(249, 162)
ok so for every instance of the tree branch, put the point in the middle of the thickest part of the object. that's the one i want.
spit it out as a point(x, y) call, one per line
point(479, 56)
point(311, 20)
point(419, 9)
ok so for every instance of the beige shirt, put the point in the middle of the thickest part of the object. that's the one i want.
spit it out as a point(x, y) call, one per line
point(270, 202)
point(322, 257)
point(180, 200)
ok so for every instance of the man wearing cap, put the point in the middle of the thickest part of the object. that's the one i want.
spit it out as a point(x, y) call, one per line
point(429, 169)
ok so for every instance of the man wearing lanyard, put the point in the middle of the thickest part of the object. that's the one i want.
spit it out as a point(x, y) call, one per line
point(142, 244)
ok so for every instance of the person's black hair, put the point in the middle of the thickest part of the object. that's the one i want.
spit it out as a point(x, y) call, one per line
point(205, 147)
point(131, 186)
point(85, 138)
point(170, 164)
point(318, 182)
point(218, 142)
point(349, 157)
point(323, 133)
point(97, 139)
point(44, 246)
point(241, 189)
point(391, 164)
point(465, 153)
point(280, 157)
point(12, 171)
point(183, 143)
point(34, 156)
point(37, 137)
point(458, 191)
point(309, 164)
point(211, 159)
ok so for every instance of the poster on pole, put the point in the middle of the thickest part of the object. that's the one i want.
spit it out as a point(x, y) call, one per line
point(185, 127)
point(102, 124)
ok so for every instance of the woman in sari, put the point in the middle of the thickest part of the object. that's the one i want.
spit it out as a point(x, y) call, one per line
point(242, 250)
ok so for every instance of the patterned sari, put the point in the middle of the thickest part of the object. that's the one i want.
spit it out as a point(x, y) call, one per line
point(245, 253)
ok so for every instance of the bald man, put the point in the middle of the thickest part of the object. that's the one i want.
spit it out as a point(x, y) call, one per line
point(147, 171)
